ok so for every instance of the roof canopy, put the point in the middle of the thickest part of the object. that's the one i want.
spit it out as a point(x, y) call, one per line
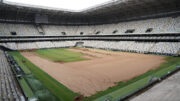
point(112, 12)
point(66, 5)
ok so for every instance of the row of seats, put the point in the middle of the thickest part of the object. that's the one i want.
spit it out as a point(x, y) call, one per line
point(163, 47)
point(159, 25)
point(140, 47)
point(9, 90)
point(171, 48)
point(38, 45)
point(20, 29)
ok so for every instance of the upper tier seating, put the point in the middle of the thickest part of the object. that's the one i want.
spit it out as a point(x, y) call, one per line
point(20, 29)
point(159, 25)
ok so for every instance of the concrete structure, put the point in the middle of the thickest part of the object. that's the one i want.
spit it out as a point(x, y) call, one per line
point(167, 90)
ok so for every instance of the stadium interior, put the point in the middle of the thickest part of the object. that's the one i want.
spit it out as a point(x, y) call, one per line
point(135, 26)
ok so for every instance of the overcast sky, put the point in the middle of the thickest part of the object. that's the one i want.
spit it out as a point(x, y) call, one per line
point(75, 5)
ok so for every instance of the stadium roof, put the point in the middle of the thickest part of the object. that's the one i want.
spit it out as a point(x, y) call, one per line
point(112, 12)
point(66, 5)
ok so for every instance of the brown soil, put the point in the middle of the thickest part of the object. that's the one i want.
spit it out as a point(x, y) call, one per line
point(103, 70)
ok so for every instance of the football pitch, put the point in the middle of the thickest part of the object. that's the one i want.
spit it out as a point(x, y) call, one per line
point(68, 74)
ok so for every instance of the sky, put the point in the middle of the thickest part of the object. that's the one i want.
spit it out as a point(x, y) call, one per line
point(72, 5)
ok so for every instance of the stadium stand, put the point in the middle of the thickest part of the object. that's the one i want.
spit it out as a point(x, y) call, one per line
point(12, 45)
point(160, 25)
point(9, 90)
point(63, 44)
point(141, 26)
point(164, 48)
point(163, 29)
point(19, 29)
point(44, 44)
point(22, 46)
point(140, 47)
point(167, 48)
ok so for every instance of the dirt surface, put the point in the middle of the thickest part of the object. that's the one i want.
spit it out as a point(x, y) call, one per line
point(103, 70)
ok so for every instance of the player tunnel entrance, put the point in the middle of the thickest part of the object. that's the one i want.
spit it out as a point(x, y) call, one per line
point(79, 44)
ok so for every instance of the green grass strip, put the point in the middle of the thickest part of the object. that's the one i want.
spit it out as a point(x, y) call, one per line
point(114, 96)
point(28, 92)
point(20, 63)
point(41, 92)
point(61, 54)
point(164, 71)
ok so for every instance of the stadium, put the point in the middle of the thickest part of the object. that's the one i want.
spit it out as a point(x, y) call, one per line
point(118, 50)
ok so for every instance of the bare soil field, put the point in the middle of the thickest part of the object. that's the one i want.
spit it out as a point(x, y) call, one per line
point(104, 69)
